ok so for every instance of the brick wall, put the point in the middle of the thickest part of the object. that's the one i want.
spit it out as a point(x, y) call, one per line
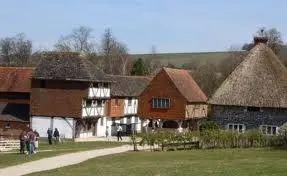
point(162, 86)
point(15, 129)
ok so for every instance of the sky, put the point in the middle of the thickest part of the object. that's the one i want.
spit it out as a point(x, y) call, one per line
point(169, 25)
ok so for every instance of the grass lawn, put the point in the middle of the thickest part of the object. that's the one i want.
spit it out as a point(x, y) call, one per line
point(10, 159)
point(229, 162)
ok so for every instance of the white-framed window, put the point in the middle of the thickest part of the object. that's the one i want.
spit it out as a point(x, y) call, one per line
point(99, 103)
point(161, 103)
point(136, 119)
point(240, 128)
point(269, 129)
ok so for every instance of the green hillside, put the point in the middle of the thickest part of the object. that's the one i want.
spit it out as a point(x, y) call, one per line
point(178, 59)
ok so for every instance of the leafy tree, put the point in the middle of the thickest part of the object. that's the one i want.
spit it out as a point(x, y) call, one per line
point(139, 67)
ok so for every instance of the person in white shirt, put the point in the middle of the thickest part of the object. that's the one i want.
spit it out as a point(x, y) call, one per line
point(119, 132)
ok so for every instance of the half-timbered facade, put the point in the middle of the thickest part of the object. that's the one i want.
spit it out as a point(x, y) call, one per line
point(123, 106)
point(171, 98)
point(14, 100)
point(69, 93)
point(254, 95)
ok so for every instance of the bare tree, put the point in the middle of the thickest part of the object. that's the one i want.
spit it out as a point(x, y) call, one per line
point(80, 40)
point(115, 55)
point(16, 50)
point(6, 45)
point(152, 62)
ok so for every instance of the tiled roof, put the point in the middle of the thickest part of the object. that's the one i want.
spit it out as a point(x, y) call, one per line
point(259, 81)
point(15, 79)
point(128, 86)
point(186, 85)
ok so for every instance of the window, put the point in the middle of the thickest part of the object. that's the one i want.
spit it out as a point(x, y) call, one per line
point(106, 85)
point(269, 129)
point(161, 103)
point(240, 128)
point(197, 106)
point(129, 102)
point(88, 103)
point(136, 119)
point(252, 109)
point(99, 103)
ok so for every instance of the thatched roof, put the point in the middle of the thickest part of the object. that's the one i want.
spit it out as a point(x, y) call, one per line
point(186, 85)
point(68, 66)
point(15, 79)
point(128, 86)
point(259, 81)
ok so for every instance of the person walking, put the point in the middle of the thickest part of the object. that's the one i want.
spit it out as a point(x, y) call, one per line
point(50, 135)
point(56, 136)
point(36, 143)
point(119, 132)
point(22, 139)
point(31, 139)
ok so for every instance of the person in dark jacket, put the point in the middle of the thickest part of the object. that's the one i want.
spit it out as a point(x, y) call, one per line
point(50, 135)
point(56, 136)
point(22, 138)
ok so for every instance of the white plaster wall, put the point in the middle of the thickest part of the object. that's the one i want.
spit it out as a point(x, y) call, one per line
point(99, 92)
point(65, 127)
point(41, 124)
point(132, 109)
point(93, 111)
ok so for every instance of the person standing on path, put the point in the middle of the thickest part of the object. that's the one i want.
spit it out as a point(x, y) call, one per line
point(22, 139)
point(56, 136)
point(50, 135)
point(119, 132)
point(31, 139)
point(36, 146)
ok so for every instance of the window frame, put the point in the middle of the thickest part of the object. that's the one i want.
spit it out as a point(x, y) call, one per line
point(160, 103)
point(265, 127)
point(235, 127)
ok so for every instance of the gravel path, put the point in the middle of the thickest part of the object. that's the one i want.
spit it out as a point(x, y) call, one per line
point(60, 161)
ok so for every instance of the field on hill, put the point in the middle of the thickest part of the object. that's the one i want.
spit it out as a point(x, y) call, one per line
point(178, 59)
point(219, 162)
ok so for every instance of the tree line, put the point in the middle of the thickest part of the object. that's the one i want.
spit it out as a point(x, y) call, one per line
point(113, 57)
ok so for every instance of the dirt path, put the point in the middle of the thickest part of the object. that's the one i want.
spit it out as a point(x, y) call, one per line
point(60, 161)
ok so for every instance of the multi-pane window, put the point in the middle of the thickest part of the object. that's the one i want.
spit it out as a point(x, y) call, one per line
point(88, 103)
point(240, 128)
point(269, 129)
point(129, 102)
point(98, 103)
point(161, 103)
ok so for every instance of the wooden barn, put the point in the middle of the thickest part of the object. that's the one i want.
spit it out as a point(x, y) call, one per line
point(254, 95)
point(172, 100)
point(123, 106)
point(69, 93)
point(14, 100)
